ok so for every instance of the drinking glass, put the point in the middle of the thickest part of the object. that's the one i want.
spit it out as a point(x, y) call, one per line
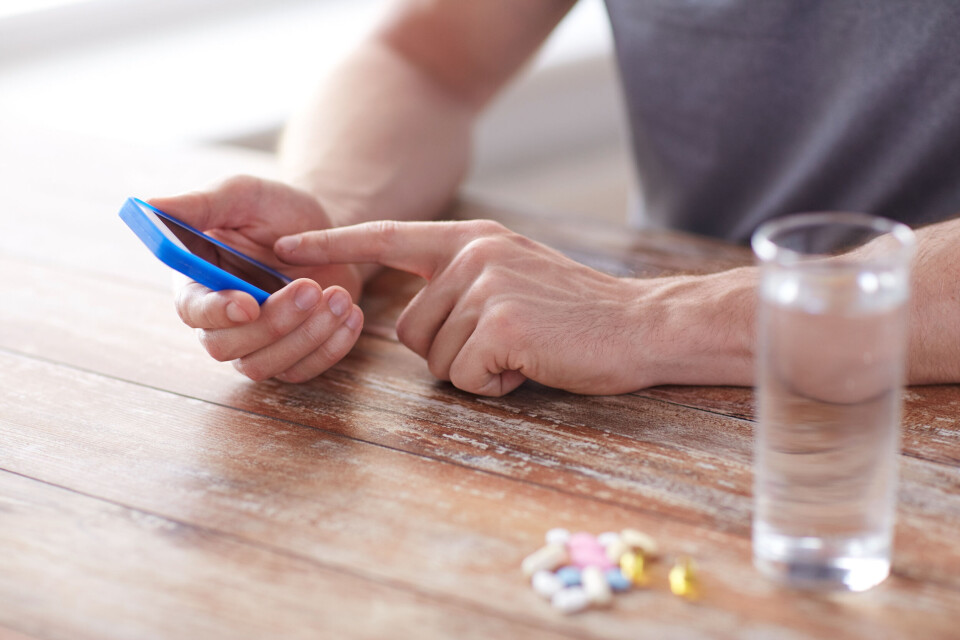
point(831, 351)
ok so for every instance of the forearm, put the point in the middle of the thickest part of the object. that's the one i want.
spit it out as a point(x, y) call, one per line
point(934, 344)
point(701, 329)
point(388, 135)
point(695, 329)
point(379, 140)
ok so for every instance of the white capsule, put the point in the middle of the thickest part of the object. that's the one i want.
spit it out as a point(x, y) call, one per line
point(616, 549)
point(560, 536)
point(639, 540)
point(608, 537)
point(596, 586)
point(570, 600)
point(546, 558)
point(546, 583)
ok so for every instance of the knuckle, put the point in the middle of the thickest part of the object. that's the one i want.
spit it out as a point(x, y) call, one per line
point(501, 321)
point(438, 369)
point(329, 353)
point(525, 242)
point(461, 380)
point(314, 329)
point(276, 326)
point(385, 232)
point(297, 376)
point(486, 286)
point(385, 228)
point(250, 369)
point(405, 328)
point(480, 252)
point(485, 227)
point(213, 312)
point(213, 345)
point(180, 304)
point(185, 303)
point(410, 336)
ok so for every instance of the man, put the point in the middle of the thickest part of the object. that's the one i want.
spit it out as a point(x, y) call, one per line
point(740, 111)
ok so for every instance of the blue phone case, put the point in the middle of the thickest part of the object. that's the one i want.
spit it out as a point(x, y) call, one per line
point(182, 260)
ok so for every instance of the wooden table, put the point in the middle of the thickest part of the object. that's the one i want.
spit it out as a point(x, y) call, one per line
point(147, 491)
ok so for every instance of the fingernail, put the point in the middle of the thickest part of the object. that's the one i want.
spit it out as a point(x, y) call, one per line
point(355, 320)
point(306, 297)
point(339, 303)
point(236, 313)
point(287, 244)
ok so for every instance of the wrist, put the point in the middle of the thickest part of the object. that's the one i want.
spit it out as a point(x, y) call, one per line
point(695, 330)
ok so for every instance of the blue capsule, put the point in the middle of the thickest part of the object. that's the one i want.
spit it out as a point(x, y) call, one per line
point(570, 576)
point(616, 580)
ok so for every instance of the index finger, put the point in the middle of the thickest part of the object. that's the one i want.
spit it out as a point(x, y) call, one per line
point(421, 248)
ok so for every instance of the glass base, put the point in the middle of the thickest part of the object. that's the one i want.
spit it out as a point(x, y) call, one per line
point(822, 564)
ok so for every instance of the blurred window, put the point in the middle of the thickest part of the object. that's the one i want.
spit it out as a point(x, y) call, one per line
point(14, 7)
point(30, 28)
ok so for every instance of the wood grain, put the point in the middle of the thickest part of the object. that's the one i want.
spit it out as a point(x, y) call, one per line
point(88, 568)
point(660, 457)
point(387, 516)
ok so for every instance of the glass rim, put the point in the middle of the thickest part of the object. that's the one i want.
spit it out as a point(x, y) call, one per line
point(768, 251)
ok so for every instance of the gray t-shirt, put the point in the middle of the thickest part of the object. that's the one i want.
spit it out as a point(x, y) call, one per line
point(742, 110)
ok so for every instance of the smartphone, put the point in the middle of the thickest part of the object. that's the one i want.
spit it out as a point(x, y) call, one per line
point(197, 255)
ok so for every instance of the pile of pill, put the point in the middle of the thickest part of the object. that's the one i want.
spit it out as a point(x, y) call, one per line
point(576, 571)
point(580, 570)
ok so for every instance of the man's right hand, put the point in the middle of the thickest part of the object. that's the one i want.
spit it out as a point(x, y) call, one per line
point(300, 331)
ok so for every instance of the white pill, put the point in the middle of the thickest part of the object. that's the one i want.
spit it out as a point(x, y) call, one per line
point(608, 537)
point(560, 536)
point(596, 586)
point(570, 600)
point(639, 540)
point(546, 583)
point(616, 549)
point(546, 558)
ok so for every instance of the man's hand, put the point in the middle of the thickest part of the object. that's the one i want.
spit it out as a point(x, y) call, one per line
point(498, 308)
point(300, 331)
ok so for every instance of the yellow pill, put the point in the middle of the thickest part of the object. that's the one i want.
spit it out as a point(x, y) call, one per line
point(632, 567)
point(683, 579)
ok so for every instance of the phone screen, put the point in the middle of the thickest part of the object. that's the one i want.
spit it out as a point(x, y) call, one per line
point(233, 263)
